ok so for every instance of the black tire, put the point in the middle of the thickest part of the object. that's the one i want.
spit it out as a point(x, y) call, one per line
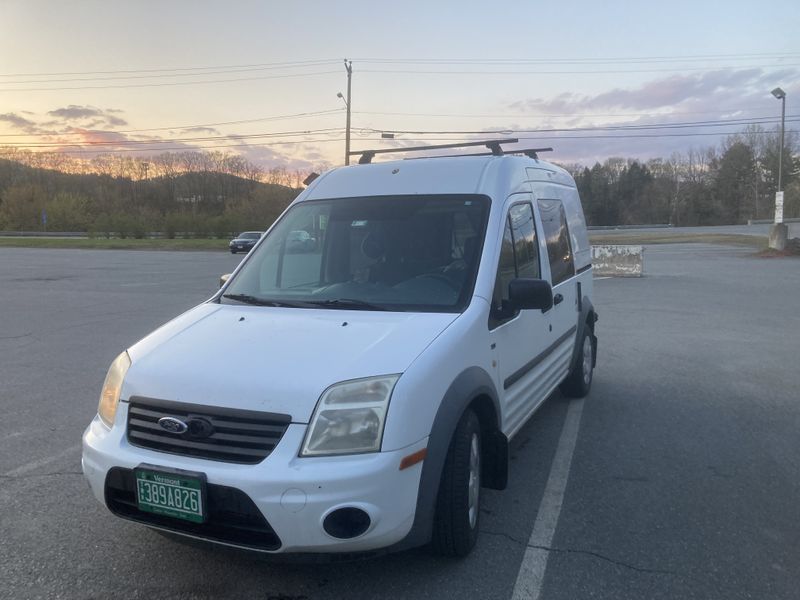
point(233, 251)
point(455, 526)
point(579, 381)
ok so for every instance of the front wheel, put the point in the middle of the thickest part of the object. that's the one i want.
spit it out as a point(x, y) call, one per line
point(579, 381)
point(455, 526)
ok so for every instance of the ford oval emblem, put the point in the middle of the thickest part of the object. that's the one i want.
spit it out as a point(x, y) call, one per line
point(173, 425)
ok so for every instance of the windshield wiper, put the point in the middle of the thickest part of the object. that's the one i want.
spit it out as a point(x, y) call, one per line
point(348, 303)
point(248, 299)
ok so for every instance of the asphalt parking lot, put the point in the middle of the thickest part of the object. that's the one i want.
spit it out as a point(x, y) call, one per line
point(683, 480)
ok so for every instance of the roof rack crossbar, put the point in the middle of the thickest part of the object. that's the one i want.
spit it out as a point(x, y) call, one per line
point(493, 145)
point(529, 152)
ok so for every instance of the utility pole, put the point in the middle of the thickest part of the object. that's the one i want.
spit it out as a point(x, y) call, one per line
point(348, 65)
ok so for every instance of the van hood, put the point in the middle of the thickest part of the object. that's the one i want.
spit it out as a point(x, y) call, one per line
point(273, 359)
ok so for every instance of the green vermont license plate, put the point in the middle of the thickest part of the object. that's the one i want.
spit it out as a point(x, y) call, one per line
point(172, 493)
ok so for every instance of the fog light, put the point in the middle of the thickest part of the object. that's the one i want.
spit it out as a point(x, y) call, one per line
point(346, 523)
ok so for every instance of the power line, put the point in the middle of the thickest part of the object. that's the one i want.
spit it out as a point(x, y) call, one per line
point(537, 139)
point(202, 71)
point(176, 127)
point(377, 139)
point(540, 115)
point(89, 144)
point(183, 148)
point(333, 130)
point(374, 60)
point(166, 84)
point(674, 125)
point(301, 63)
point(161, 75)
point(678, 124)
point(593, 72)
point(582, 60)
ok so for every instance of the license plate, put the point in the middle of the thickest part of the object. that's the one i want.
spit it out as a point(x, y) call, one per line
point(172, 493)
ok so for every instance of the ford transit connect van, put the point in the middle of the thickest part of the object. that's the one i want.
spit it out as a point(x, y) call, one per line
point(432, 307)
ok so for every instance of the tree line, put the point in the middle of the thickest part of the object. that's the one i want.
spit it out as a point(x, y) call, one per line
point(202, 194)
point(729, 184)
point(216, 194)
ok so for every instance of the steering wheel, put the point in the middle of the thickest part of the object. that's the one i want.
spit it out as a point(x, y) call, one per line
point(439, 277)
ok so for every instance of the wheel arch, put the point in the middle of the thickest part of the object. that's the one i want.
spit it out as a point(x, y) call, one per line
point(587, 317)
point(472, 389)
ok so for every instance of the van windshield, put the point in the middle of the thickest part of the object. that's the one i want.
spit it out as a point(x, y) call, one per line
point(400, 253)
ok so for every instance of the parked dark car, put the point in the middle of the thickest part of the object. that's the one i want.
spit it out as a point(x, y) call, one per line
point(300, 241)
point(245, 241)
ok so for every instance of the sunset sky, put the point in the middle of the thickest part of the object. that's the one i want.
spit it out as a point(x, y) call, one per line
point(155, 75)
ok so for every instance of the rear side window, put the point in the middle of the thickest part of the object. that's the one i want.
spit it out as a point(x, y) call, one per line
point(559, 252)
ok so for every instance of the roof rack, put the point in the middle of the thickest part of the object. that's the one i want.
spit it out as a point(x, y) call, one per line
point(493, 145)
point(529, 152)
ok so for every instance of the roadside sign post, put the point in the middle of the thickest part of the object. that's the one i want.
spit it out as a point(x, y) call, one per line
point(778, 231)
point(778, 207)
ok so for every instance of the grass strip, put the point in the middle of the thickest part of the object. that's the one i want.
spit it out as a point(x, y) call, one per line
point(115, 244)
point(731, 239)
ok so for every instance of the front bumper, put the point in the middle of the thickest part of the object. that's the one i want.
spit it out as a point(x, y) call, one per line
point(293, 494)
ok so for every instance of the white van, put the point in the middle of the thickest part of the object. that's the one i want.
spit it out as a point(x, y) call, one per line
point(356, 392)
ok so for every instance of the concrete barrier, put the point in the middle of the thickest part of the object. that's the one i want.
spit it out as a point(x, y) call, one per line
point(618, 261)
point(771, 221)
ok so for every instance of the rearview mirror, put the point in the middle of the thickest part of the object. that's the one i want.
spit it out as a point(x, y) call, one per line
point(223, 279)
point(527, 294)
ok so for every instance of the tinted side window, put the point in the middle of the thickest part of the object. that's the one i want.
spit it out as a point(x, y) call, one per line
point(525, 248)
point(554, 225)
point(506, 269)
point(519, 257)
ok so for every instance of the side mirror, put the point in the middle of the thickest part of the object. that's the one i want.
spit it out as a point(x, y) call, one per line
point(526, 294)
point(223, 279)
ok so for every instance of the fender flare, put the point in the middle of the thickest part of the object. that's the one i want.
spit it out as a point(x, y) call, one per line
point(587, 317)
point(468, 385)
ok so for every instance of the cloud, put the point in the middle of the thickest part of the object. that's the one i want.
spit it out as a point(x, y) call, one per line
point(667, 92)
point(20, 123)
point(690, 98)
point(201, 129)
point(74, 112)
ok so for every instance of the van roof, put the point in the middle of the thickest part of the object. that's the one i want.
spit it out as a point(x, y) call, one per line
point(494, 176)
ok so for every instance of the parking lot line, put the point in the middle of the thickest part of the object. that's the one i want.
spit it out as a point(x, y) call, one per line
point(534, 563)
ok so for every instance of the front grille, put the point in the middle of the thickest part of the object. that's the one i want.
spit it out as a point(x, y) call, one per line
point(239, 436)
point(233, 518)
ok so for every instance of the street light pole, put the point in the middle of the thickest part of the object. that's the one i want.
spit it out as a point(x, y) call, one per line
point(782, 96)
point(779, 232)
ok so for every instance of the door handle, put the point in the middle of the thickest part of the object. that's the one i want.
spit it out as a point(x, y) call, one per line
point(558, 299)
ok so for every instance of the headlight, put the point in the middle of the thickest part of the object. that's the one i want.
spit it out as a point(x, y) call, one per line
point(349, 417)
point(109, 396)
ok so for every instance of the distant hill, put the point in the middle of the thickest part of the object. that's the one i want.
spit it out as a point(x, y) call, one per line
point(203, 201)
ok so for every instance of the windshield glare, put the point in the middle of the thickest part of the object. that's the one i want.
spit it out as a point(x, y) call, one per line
point(391, 252)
